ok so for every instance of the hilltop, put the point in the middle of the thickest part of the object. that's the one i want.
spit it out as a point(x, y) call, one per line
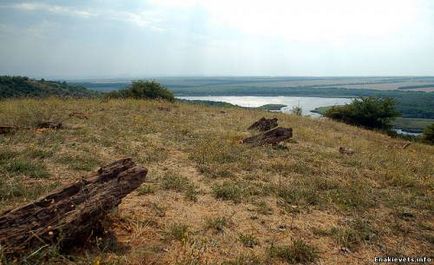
point(21, 86)
point(210, 199)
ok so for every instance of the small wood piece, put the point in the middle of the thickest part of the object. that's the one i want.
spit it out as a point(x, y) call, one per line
point(346, 151)
point(79, 115)
point(273, 137)
point(49, 125)
point(264, 124)
point(66, 215)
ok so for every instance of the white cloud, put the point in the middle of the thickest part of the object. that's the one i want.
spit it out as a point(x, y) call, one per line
point(140, 18)
point(307, 20)
point(55, 9)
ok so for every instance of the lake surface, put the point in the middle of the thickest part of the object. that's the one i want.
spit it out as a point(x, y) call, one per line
point(306, 103)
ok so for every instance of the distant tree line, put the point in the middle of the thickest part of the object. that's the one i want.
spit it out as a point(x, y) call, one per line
point(21, 86)
point(411, 104)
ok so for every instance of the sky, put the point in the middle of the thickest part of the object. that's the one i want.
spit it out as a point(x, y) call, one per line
point(126, 38)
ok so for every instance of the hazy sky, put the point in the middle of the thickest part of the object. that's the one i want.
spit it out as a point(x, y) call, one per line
point(108, 38)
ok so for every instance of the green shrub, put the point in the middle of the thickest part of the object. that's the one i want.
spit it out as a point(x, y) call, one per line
point(217, 224)
point(369, 112)
point(143, 90)
point(248, 240)
point(228, 191)
point(428, 134)
point(178, 232)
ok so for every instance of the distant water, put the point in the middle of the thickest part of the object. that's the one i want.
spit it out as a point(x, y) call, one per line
point(306, 103)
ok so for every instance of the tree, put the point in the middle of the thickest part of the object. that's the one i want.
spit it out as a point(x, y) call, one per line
point(144, 90)
point(428, 134)
point(369, 112)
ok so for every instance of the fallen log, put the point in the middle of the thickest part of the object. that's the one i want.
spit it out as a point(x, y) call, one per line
point(264, 124)
point(273, 137)
point(7, 129)
point(71, 213)
point(49, 125)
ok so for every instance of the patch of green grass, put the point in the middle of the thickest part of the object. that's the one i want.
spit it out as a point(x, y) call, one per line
point(245, 260)
point(354, 234)
point(191, 193)
point(6, 155)
point(26, 167)
point(79, 161)
point(298, 252)
point(39, 153)
point(228, 191)
point(298, 194)
point(354, 196)
point(217, 224)
point(174, 182)
point(178, 232)
point(146, 189)
point(263, 208)
point(11, 189)
point(216, 171)
point(248, 240)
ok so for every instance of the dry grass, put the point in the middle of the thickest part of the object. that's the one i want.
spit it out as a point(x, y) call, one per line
point(211, 200)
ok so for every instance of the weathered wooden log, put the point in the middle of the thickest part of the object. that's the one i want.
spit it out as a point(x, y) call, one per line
point(66, 215)
point(273, 137)
point(264, 124)
point(7, 129)
point(49, 125)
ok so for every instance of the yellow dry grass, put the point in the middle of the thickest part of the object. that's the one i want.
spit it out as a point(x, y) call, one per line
point(350, 209)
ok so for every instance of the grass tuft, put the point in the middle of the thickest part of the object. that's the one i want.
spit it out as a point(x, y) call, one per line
point(228, 191)
point(298, 252)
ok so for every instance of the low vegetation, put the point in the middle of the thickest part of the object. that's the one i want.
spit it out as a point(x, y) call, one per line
point(210, 199)
point(369, 112)
point(143, 90)
point(21, 87)
point(428, 134)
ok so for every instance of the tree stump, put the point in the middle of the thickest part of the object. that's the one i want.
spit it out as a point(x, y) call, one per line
point(273, 137)
point(264, 124)
point(65, 215)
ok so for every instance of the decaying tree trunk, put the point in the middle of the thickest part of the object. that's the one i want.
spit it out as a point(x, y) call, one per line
point(68, 214)
point(7, 129)
point(264, 124)
point(49, 125)
point(273, 137)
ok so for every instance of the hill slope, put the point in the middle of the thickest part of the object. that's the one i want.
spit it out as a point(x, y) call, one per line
point(210, 199)
point(20, 86)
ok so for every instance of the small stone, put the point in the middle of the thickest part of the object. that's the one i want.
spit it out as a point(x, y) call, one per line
point(345, 250)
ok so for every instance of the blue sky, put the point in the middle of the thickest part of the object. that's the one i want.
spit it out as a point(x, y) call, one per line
point(96, 38)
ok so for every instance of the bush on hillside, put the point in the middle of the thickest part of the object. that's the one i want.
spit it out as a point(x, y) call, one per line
point(24, 87)
point(144, 90)
point(369, 112)
point(428, 134)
